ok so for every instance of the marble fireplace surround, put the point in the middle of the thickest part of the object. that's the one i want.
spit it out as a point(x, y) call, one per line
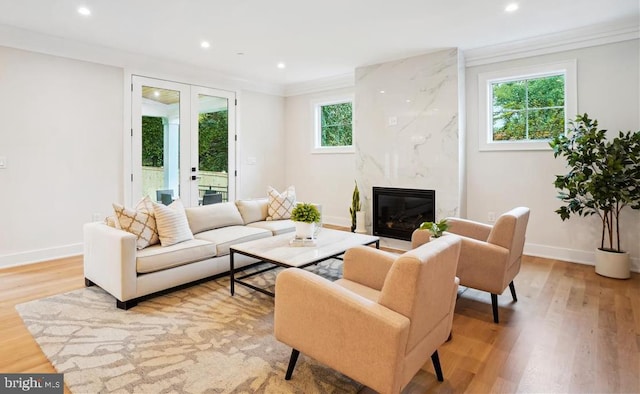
point(409, 128)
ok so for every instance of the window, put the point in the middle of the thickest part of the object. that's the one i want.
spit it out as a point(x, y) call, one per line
point(334, 127)
point(523, 109)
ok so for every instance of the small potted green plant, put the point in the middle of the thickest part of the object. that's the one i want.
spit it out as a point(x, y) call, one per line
point(603, 179)
point(355, 208)
point(305, 216)
point(435, 228)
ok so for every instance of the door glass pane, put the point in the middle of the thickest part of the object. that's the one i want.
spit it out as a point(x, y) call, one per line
point(160, 143)
point(213, 148)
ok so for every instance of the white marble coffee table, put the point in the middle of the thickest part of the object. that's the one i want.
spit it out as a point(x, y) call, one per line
point(278, 252)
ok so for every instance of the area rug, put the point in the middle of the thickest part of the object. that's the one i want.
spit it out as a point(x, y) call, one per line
point(194, 340)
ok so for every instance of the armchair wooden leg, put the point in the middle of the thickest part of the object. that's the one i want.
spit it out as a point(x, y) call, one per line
point(512, 287)
point(292, 364)
point(436, 366)
point(494, 305)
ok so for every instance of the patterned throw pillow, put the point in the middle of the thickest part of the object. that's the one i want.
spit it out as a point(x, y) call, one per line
point(280, 204)
point(173, 226)
point(139, 221)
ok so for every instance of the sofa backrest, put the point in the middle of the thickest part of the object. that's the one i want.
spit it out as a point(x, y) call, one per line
point(254, 210)
point(208, 217)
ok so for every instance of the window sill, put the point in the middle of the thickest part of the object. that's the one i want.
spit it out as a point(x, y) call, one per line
point(514, 146)
point(334, 149)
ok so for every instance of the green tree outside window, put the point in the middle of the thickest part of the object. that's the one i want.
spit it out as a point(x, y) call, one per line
point(528, 109)
point(213, 141)
point(336, 125)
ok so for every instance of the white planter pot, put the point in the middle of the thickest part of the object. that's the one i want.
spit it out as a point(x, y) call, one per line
point(360, 223)
point(613, 265)
point(305, 230)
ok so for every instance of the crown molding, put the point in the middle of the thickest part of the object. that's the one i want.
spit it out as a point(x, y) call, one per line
point(13, 37)
point(620, 30)
point(320, 85)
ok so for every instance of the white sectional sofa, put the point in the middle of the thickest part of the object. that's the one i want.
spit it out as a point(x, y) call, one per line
point(112, 261)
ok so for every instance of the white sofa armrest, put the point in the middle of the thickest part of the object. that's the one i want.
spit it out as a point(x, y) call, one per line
point(110, 259)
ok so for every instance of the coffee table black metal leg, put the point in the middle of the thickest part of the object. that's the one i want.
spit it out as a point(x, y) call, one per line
point(231, 271)
point(378, 244)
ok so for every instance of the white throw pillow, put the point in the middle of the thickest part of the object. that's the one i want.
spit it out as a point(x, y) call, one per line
point(139, 221)
point(172, 223)
point(280, 204)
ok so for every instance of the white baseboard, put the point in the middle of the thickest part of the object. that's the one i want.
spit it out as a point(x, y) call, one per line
point(39, 255)
point(571, 255)
point(337, 221)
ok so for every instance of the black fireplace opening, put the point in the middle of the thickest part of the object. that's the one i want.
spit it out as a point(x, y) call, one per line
point(398, 212)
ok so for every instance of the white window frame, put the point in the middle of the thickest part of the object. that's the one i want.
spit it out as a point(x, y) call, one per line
point(485, 102)
point(317, 128)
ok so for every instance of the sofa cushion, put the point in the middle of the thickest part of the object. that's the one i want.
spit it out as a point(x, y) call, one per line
point(280, 204)
point(276, 227)
point(226, 236)
point(156, 258)
point(254, 210)
point(139, 221)
point(208, 217)
point(364, 291)
point(172, 223)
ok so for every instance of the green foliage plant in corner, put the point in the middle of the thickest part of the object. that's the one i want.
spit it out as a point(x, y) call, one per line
point(603, 177)
point(306, 213)
point(355, 206)
point(435, 228)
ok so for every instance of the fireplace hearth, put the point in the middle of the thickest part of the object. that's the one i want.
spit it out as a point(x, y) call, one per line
point(397, 212)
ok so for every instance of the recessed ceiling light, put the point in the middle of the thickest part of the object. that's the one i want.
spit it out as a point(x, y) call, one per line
point(511, 7)
point(281, 65)
point(408, 101)
point(84, 11)
point(156, 93)
point(205, 44)
point(382, 91)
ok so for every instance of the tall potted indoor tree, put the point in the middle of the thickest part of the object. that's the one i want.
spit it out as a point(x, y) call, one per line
point(603, 179)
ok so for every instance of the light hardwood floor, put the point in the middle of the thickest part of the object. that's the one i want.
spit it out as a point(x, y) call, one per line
point(570, 331)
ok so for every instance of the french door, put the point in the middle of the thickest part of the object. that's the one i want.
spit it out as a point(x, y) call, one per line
point(183, 141)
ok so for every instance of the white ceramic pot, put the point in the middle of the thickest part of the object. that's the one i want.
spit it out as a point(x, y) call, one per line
point(360, 223)
point(305, 230)
point(613, 264)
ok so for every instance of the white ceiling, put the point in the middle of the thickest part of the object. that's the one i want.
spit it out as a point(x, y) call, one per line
point(315, 39)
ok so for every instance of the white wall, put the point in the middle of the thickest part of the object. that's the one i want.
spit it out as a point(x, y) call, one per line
point(608, 90)
point(323, 178)
point(262, 152)
point(62, 129)
point(61, 132)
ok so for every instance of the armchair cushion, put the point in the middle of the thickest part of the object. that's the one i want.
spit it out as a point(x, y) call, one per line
point(367, 266)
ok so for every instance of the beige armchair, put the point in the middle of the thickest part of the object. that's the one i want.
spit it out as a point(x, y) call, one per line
point(379, 323)
point(490, 256)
